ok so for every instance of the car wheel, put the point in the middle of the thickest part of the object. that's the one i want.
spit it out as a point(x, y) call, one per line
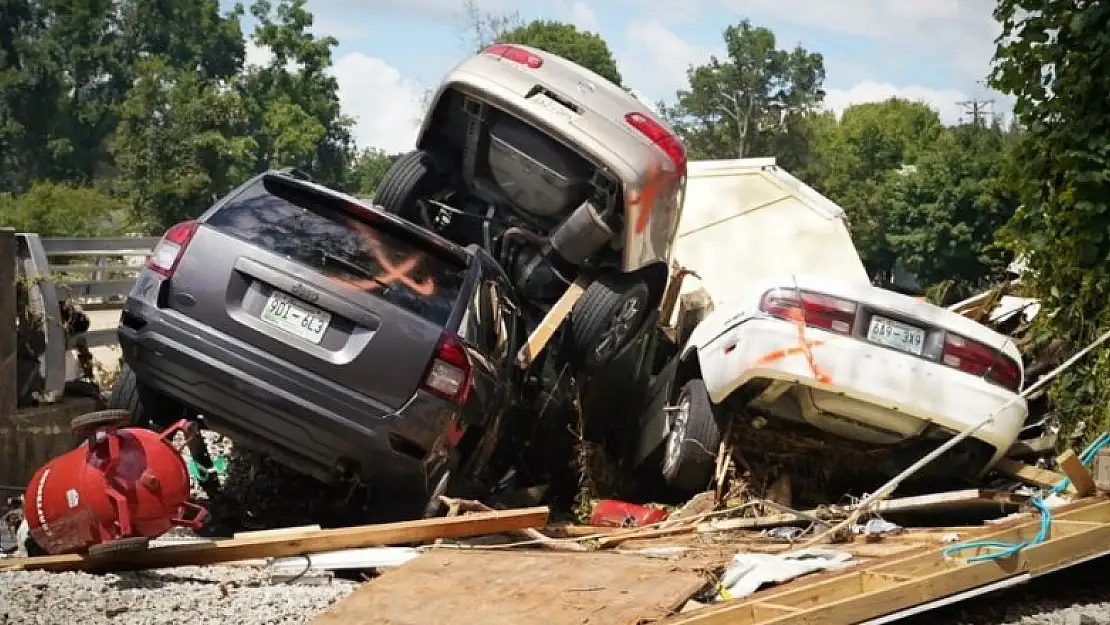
point(149, 409)
point(119, 546)
point(603, 321)
point(690, 454)
point(412, 179)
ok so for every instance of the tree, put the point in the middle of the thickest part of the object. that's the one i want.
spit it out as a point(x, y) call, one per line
point(939, 218)
point(858, 153)
point(1054, 57)
point(181, 143)
point(752, 102)
point(293, 102)
point(58, 209)
point(368, 169)
point(584, 48)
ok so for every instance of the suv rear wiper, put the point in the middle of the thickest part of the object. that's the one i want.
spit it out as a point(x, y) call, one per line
point(362, 272)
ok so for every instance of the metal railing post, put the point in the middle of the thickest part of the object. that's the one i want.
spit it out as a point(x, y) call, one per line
point(7, 323)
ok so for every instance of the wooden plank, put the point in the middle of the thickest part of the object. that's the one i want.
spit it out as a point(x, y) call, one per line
point(91, 246)
point(953, 500)
point(517, 587)
point(550, 323)
point(1029, 474)
point(1080, 477)
point(292, 544)
point(7, 323)
point(281, 531)
point(858, 595)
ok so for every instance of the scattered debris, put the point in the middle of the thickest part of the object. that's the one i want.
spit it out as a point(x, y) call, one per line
point(751, 571)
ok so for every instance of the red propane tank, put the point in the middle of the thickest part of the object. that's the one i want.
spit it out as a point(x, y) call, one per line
point(122, 485)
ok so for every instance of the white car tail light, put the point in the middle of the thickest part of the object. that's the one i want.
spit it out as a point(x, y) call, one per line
point(816, 309)
point(981, 360)
point(167, 254)
point(449, 373)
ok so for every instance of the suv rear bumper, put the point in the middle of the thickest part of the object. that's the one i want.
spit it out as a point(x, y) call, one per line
point(304, 421)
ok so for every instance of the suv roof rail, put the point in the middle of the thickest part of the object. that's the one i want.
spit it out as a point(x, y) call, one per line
point(295, 172)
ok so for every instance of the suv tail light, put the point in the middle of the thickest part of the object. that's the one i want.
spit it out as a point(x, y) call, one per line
point(514, 54)
point(818, 310)
point(163, 260)
point(449, 373)
point(659, 135)
point(981, 360)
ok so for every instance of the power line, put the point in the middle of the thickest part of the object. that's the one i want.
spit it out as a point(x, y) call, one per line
point(979, 110)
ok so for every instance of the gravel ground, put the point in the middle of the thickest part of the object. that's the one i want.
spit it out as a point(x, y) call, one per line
point(195, 595)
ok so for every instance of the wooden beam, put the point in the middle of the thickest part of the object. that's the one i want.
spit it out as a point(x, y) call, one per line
point(7, 323)
point(292, 543)
point(1029, 474)
point(1081, 478)
point(858, 595)
point(550, 323)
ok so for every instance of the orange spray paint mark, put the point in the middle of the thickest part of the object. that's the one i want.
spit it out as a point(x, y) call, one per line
point(644, 199)
point(804, 348)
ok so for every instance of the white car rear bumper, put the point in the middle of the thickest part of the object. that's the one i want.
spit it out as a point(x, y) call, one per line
point(896, 391)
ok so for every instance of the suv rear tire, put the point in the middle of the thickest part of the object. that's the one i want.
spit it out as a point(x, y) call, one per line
point(412, 177)
point(690, 451)
point(603, 321)
point(149, 409)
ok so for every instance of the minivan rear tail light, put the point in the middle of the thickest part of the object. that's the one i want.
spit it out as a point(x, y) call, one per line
point(819, 310)
point(167, 254)
point(659, 135)
point(981, 360)
point(514, 54)
point(449, 373)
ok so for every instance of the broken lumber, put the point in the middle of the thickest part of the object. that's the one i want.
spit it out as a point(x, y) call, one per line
point(1080, 477)
point(859, 594)
point(953, 500)
point(1029, 474)
point(528, 533)
point(554, 318)
point(291, 543)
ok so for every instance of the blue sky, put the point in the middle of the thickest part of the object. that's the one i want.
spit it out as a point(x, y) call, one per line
point(391, 51)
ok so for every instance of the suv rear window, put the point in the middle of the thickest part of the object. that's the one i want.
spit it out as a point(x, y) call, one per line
point(315, 230)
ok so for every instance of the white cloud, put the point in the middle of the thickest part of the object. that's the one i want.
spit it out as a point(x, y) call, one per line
point(386, 105)
point(944, 101)
point(582, 15)
point(258, 55)
point(657, 59)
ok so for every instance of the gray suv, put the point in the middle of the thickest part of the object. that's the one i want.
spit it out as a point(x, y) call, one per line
point(343, 341)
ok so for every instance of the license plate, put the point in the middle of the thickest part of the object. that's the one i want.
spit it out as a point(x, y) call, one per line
point(296, 317)
point(553, 105)
point(895, 334)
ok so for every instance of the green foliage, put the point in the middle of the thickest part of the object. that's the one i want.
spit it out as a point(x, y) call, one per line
point(368, 169)
point(1054, 57)
point(181, 143)
point(62, 210)
point(754, 102)
point(939, 218)
point(584, 48)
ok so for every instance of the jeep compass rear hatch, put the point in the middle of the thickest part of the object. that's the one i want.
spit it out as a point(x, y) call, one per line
point(314, 279)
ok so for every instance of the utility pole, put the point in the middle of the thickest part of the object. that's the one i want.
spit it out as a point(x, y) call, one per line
point(978, 110)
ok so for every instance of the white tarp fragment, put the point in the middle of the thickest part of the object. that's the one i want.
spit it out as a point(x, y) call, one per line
point(750, 571)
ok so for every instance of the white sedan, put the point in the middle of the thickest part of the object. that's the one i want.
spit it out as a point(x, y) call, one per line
point(853, 360)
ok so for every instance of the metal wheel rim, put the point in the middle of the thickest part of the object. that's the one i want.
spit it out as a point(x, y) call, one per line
point(677, 434)
point(618, 329)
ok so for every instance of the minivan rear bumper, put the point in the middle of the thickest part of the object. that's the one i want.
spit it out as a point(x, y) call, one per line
point(303, 420)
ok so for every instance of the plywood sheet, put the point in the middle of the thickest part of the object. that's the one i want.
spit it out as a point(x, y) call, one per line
point(519, 588)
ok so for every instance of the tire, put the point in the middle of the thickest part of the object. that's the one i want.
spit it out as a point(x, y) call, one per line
point(603, 321)
point(690, 451)
point(89, 422)
point(119, 546)
point(412, 177)
point(148, 408)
